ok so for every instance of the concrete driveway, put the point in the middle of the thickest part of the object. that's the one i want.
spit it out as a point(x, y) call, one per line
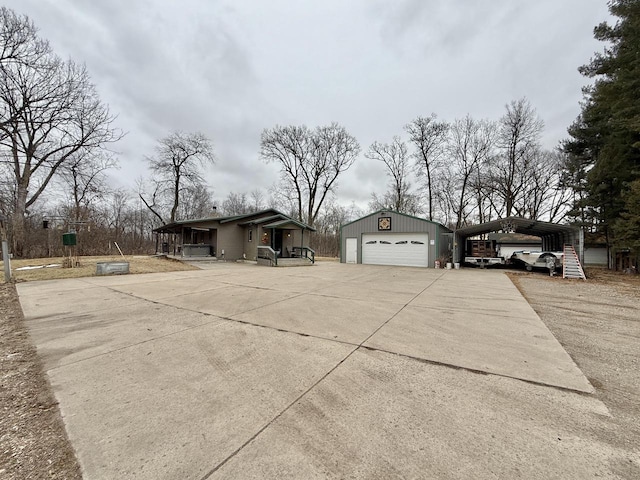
point(331, 371)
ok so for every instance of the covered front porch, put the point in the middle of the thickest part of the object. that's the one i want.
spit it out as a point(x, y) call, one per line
point(282, 241)
point(185, 241)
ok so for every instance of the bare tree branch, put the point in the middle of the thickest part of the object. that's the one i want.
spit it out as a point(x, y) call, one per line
point(310, 162)
point(177, 164)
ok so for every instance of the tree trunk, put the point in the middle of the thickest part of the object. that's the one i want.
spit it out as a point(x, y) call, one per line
point(19, 228)
point(176, 197)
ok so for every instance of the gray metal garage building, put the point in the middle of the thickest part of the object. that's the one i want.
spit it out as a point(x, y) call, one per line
point(390, 238)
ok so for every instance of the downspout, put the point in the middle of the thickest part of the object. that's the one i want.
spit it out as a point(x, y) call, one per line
point(438, 233)
point(455, 245)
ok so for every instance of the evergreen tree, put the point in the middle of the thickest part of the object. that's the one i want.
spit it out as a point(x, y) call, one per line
point(604, 149)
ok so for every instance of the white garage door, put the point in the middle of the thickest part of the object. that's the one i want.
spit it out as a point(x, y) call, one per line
point(405, 249)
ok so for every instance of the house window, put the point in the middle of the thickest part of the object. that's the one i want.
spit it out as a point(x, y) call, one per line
point(250, 234)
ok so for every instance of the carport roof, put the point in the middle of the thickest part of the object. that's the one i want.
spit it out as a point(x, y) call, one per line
point(521, 225)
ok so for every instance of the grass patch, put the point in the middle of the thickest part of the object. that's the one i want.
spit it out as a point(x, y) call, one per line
point(87, 267)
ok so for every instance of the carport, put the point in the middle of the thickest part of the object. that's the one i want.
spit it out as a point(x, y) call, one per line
point(554, 236)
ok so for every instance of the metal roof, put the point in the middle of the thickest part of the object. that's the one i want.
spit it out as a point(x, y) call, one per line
point(255, 221)
point(521, 225)
point(289, 221)
point(386, 210)
point(253, 214)
point(275, 214)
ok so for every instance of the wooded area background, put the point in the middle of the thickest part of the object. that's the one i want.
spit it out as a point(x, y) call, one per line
point(57, 142)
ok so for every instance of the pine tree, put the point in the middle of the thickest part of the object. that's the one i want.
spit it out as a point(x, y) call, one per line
point(604, 147)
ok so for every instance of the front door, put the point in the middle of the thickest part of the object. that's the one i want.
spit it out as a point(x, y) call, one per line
point(352, 250)
point(277, 241)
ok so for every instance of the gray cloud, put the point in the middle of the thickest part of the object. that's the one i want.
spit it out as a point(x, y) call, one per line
point(230, 69)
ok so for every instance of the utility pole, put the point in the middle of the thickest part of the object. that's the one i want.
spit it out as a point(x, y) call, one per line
point(6, 259)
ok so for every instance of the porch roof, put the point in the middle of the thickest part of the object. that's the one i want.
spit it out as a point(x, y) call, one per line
point(257, 221)
point(289, 221)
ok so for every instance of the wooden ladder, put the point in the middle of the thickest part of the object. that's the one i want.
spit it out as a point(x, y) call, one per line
point(571, 267)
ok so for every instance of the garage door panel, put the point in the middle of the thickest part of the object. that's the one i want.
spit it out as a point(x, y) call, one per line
point(405, 249)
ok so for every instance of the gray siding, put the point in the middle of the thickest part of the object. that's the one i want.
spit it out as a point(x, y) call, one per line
point(596, 256)
point(251, 247)
point(399, 224)
point(230, 239)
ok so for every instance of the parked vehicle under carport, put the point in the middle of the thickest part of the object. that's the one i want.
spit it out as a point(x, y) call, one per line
point(551, 261)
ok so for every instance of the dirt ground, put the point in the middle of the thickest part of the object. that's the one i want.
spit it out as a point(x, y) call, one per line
point(33, 442)
point(597, 322)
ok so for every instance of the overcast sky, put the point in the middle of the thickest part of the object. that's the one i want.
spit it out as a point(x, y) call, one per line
point(232, 68)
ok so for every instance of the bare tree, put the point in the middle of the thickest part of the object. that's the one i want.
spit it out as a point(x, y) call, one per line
point(176, 165)
point(429, 138)
point(195, 201)
point(84, 176)
point(326, 240)
point(19, 40)
point(470, 144)
point(19, 45)
point(545, 195)
point(235, 204)
point(518, 140)
point(257, 201)
point(50, 112)
point(292, 148)
point(310, 162)
point(395, 157)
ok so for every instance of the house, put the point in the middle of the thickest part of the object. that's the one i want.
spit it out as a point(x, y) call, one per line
point(266, 234)
point(391, 238)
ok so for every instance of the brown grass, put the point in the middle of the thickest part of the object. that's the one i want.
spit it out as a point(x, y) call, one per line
point(87, 267)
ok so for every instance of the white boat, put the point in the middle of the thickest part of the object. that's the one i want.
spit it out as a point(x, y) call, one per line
point(531, 259)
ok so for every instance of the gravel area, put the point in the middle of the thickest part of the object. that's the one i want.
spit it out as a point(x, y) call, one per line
point(598, 323)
